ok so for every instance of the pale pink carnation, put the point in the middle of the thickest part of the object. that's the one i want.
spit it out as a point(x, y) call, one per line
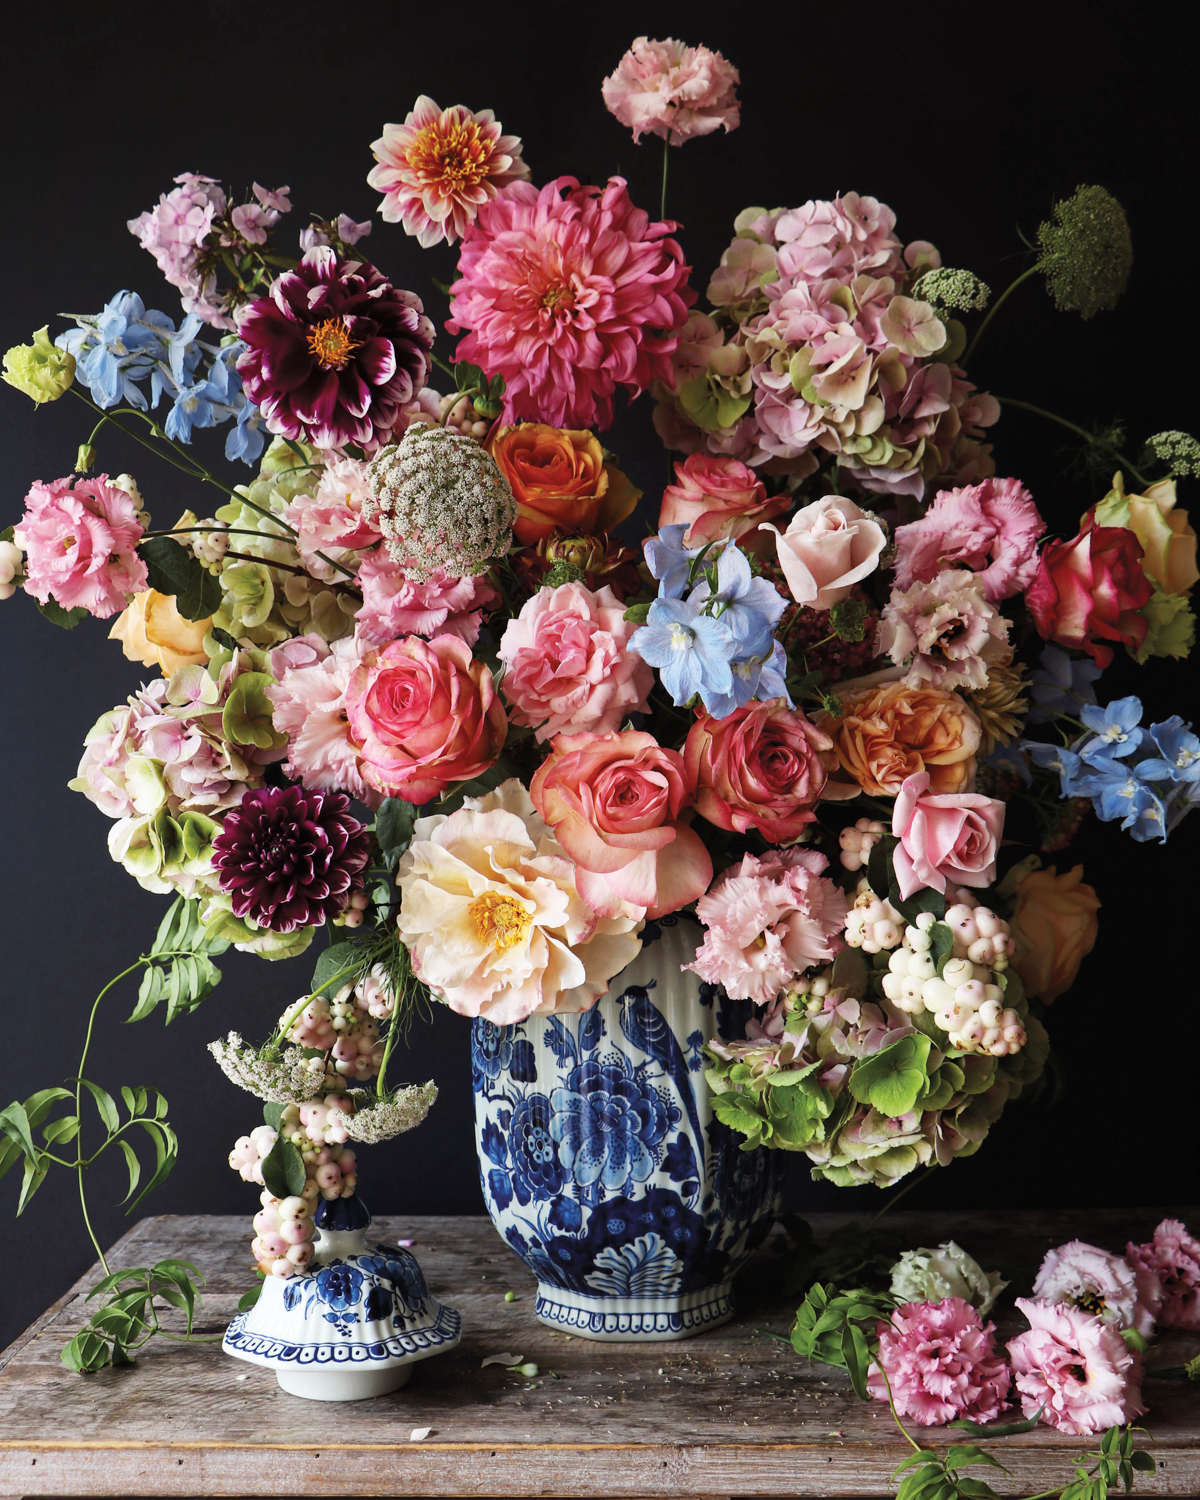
point(1174, 1257)
point(173, 233)
point(80, 539)
point(946, 630)
point(437, 169)
point(768, 921)
point(941, 1363)
point(568, 666)
point(1075, 1368)
point(569, 292)
point(394, 604)
point(334, 519)
point(673, 91)
point(991, 528)
point(1106, 1286)
point(309, 706)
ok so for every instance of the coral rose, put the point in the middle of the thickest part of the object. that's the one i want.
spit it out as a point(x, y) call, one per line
point(758, 768)
point(616, 803)
point(717, 499)
point(560, 481)
point(569, 669)
point(1167, 538)
point(887, 733)
point(828, 546)
point(1088, 591)
point(953, 837)
point(424, 714)
point(151, 630)
point(1054, 924)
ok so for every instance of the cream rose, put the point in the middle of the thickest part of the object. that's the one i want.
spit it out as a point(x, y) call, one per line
point(828, 547)
point(151, 630)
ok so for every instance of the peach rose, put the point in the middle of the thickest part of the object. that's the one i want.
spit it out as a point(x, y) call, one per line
point(1167, 538)
point(1055, 926)
point(828, 546)
point(425, 714)
point(890, 732)
point(615, 803)
point(151, 630)
point(717, 499)
point(560, 481)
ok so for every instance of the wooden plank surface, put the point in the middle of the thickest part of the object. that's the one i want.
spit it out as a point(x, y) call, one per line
point(733, 1412)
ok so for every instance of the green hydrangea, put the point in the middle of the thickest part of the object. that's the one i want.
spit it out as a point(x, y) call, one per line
point(1087, 252)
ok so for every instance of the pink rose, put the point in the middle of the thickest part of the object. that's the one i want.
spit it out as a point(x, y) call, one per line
point(717, 499)
point(827, 547)
point(992, 528)
point(393, 604)
point(1075, 1369)
point(759, 767)
point(953, 836)
point(616, 805)
point(424, 715)
point(569, 670)
point(80, 538)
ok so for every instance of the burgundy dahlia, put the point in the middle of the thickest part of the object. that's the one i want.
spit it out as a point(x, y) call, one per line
point(291, 858)
point(334, 352)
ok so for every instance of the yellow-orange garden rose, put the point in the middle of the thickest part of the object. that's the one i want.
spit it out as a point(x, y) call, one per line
point(888, 732)
point(1166, 534)
point(151, 630)
point(560, 481)
point(1055, 926)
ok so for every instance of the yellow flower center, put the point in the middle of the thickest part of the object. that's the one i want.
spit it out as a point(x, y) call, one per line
point(1091, 1302)
point(330, 343)
point(452, 158)
point(500, 921)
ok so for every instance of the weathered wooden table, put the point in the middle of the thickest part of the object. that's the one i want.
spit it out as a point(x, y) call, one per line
point(731, 1413)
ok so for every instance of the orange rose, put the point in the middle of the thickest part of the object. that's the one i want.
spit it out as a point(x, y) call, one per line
point(151, 630)
point(1055, 926)
point(889, 732)
point(560, 481)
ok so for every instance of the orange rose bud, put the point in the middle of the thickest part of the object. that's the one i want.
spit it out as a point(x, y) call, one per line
point(560, 481)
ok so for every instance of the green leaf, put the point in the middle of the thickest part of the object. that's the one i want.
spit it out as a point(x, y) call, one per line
point(394, 828)
point(637, 614)
point(10, 1155)
point(879, 866)
point(336, 966)
point(35, 1175)
point(171, 569)
point(1142, 1461)
point(135, 1168)
point(65, 1128)
point(997, 1429)
point(14, 1121)
point(105, 1106)
point(975, 1489)
point(893, 1079)
point(283, 1169)
point(942, 938)
point(963, 1455)
point(250, 1299)
point(273, 1115)
point(57, 615)
point(150, 992)
point(857, 1358)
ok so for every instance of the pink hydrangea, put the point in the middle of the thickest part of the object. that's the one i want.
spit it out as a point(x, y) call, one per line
point(174, 231)
point(309, 706)
point(394, 604)
point(842, 237)
point(941, 1363)
point(569, 292)
point(768, 920)
point(991, 528)
point(673, 91)
point(1174, 1257)
point(1105, 1286)
point(569, 669)
point(1075, 1369)
point(945, 630)
point(80, 538)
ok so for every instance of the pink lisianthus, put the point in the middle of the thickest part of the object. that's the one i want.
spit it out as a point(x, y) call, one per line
point(945, 630)
point(618, 805)
point(828, 547)
point(569, 292)
point(1105, 1286)
point(335, 518)
point(673, 91)
point(394, 604)
point(80, 539)
point(568, 666)
point(768, 920)
point(941, 1363)
point(438, 168)
point(717, 499)
point(949, 837)
point(1075, 1369)
point(308, 702)
point(1174, 1257)
point(991, 528)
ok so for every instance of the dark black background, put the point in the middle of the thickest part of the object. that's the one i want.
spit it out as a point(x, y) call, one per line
point(968, 128)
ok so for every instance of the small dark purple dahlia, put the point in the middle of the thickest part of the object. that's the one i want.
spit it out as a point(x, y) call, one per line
point(334, 352)
point(291, 858)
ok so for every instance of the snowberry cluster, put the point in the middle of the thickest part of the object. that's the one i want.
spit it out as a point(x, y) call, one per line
point(347, 1028)
point(352, 915)
point(964, 1000)
point(283, 1232)
point(873, 925)
point(459, 415)
point(857, 843)
point(210, 545)
point(807, 995)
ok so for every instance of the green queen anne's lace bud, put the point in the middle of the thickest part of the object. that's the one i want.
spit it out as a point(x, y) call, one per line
point(43, 372)
point(1086, 252)
point(1178, 450)
point(949, 288)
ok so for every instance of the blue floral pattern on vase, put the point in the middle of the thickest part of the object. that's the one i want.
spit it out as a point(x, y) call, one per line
point(601, 1161)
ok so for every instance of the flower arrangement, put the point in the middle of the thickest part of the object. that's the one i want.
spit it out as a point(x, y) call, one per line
point(421, 680)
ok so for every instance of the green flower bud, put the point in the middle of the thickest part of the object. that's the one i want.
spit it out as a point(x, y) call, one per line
point(933, 1275)
point(43, 372)
point(85, 458)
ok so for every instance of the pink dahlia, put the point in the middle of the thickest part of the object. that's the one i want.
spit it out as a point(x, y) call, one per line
point(334, 352)
point(569, 292)
point(80, 539)
point(941, 1363)
point(673, 91)
point(768, 921)
point(437, 169)
point(394, 604)
point(991, 528)
point(1075, 1369)
point(1174, 1257)
point(1106, 1286)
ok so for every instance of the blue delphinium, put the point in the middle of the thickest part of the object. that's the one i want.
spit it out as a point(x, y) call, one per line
point(749, 606)
point(670, 561)
point(1114, 729)
point(122, 344)
point(1061, 684)
point(691, 651)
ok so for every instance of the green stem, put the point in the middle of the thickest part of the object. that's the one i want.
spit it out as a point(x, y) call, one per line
point(208, 531)
point(289, 568)
point(189, 466)
point(887, 1385)
point(662, 207)
point(383, 1062)
point(995, 308)
point(894, 1199)
point(1089, 438)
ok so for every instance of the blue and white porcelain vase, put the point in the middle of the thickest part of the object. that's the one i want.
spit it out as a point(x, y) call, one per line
point(602, 1163)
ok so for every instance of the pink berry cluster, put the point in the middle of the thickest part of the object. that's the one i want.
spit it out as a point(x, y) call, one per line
point(347, 1028)
point(874, 925)
point(857, 843)
point(283, 1232)
point(352, 916)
